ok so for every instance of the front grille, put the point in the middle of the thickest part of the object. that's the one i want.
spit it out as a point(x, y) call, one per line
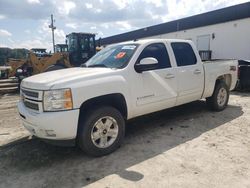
point(33, 94)
point(31, 105)
point(32, 99)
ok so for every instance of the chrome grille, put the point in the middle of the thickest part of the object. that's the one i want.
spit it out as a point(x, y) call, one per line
point(32, 99)
point(32, 94)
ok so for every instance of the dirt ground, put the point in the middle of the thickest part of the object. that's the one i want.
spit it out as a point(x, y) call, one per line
point(187, 146)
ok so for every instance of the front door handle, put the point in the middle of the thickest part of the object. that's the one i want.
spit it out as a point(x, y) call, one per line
point(169, 76)
point(197, 71)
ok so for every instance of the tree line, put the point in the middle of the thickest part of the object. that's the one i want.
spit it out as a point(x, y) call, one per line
point(6, 53)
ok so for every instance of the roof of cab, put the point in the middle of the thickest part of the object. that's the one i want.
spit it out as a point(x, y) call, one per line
point(145, 41)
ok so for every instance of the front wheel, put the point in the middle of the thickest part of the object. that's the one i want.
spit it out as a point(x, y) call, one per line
point(219, 100)
point(101, 131)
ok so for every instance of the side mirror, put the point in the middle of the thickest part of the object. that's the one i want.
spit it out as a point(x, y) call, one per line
point(146, 64)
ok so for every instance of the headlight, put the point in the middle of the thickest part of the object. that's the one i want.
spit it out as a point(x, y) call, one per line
point(19, 71)
point(57, 100)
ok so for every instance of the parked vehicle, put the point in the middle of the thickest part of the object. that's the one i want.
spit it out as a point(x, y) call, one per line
point(4, 72)
point(89, 105)
point(243, 75)
point(80, 47)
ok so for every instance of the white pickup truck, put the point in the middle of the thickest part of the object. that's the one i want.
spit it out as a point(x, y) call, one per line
point(89, 105)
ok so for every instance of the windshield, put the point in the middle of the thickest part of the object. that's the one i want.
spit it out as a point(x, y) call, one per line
point(72, 43)
point(116, 56)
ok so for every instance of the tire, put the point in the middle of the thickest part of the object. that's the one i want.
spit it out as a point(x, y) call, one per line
point(221, 91)
point(92, 136)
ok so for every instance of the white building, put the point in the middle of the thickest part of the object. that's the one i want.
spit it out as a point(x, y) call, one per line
point(220, 34)
point(229, 40)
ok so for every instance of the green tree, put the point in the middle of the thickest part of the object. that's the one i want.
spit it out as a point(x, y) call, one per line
point(6, 53)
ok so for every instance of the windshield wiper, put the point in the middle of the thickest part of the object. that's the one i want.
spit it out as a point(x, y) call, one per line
point(97, 65)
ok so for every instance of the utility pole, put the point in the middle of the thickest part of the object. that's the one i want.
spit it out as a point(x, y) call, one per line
point(52, 29)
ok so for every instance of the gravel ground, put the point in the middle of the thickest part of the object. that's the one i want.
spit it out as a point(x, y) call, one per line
point(186, 146)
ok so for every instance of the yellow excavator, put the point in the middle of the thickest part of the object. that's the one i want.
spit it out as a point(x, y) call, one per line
point(79, 48)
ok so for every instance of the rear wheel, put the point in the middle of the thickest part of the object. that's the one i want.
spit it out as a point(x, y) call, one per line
point(101, 131)
point(219, 100)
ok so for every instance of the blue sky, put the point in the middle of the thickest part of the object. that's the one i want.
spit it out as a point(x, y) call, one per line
point(24, 23)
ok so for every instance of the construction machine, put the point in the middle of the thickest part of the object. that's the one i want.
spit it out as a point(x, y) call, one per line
point(14, 64)
point(61, 48)
point(79, 48)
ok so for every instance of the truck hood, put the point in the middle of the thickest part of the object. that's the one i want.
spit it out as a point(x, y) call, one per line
point(45, 81)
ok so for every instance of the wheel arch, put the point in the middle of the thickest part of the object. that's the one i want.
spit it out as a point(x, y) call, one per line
point(116, 100)
point(227, 78)
point(211, 85)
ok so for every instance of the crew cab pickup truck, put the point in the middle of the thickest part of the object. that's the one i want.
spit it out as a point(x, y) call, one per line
point(89, 105)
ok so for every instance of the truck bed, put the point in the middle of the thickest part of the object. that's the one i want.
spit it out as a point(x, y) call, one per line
point(216, 68)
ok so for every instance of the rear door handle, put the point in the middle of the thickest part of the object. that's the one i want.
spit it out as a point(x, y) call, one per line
point(197, 71)
point(169, 76)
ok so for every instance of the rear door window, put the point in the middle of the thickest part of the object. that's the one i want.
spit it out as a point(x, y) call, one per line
point(184, 54)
